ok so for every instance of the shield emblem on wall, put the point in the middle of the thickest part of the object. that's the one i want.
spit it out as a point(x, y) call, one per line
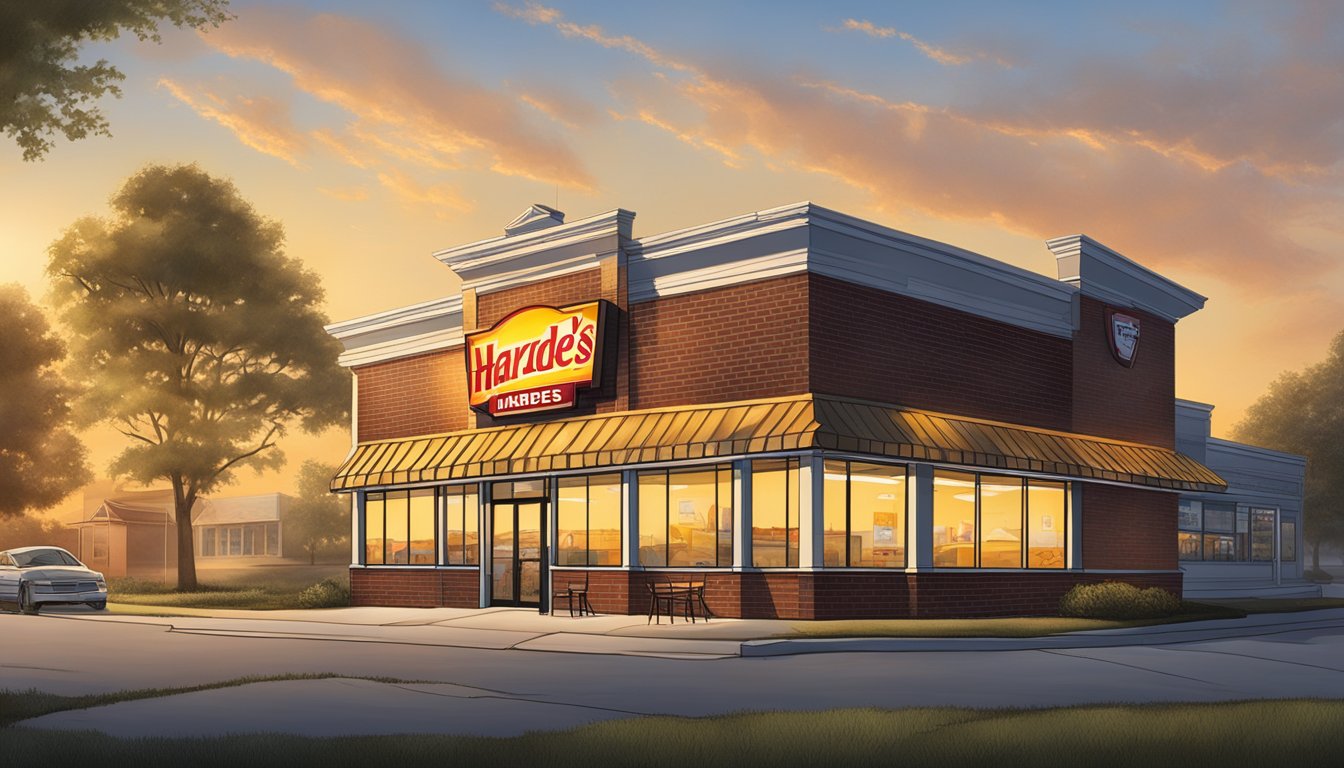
point(1122, 331)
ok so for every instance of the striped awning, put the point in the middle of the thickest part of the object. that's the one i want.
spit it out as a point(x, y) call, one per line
point(763, 426)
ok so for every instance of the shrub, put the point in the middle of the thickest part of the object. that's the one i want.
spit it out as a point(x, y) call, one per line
point(328, 593)
point(1118, 600)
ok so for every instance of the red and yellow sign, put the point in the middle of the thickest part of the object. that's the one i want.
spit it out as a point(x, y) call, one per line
point(535, 359)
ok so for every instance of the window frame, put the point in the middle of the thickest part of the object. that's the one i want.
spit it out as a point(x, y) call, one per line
point(723, 473)
point(588, 520)
point(848, 557)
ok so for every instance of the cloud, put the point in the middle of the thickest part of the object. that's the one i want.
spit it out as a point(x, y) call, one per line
point(397, 96)
point(940, 55)
point(562, 107)
point(440, 199)
point(260, 122)
point(1156, 192)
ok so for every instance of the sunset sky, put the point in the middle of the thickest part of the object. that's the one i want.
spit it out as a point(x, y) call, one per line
point(1203, 141)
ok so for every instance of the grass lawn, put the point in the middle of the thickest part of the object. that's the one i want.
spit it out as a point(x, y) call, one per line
point(256, 588)
point(1259, 733)
point(1017, 626)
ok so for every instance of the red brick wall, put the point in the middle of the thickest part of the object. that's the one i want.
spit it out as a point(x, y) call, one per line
point(415, 588)
point(875, 345)
point(736, 343)
point(420, 395)
point(1128, 528)
point(1111, 400)
point(575, 288)
point(839, 594)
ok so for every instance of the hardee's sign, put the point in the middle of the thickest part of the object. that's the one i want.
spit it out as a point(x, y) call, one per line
point(535, 359)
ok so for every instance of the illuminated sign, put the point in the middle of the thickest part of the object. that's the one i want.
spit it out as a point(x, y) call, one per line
point(1123, 334)
point(536, 359)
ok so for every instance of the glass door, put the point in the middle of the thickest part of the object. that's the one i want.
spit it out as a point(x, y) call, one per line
point(516, 553)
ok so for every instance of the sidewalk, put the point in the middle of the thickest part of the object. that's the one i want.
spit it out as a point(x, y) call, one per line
point(527, 630)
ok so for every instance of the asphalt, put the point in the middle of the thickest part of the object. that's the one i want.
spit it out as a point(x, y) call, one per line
point(501, 694)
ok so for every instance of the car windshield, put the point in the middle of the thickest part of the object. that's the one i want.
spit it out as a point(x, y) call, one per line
point(36, 557)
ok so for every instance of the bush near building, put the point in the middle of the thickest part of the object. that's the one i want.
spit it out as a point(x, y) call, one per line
point(1118, 600)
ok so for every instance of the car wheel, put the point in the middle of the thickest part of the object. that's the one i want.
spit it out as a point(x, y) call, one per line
point(26, 603)
point(99, 606)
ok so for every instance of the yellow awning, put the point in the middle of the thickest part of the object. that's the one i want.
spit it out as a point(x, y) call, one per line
point(761, 426)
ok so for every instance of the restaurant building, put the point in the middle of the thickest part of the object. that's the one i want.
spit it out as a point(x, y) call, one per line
point(820, 416)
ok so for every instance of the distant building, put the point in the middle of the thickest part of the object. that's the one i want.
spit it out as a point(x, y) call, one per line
point(133, 533)
point(241, 526)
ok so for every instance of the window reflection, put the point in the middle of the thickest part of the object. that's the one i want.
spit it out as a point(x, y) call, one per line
point(774, 513)
point(686, 517)
point(864, 516)
point(461, 521)
point(588, 520)
point(953, 519)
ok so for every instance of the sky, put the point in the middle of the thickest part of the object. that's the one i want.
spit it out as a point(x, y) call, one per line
point(1202, 140)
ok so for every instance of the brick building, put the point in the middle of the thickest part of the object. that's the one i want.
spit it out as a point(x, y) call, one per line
point(820, 416)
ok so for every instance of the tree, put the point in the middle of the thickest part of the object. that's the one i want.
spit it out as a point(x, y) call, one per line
point(1303, 413)
point(42, 92)
point(200, 340)
point(41, 460)
point(319, 518)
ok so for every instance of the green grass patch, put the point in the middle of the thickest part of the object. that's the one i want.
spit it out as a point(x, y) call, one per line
point(1257, 733)
point(260, 588)
point(1017, 626)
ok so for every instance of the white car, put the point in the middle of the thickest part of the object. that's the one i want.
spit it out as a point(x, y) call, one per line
point(31, 577)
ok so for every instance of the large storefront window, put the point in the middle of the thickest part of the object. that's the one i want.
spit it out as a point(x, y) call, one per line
point(997, 521)
point(588, 520)
point(399, 528)
point(461, 523)
point(1216, 531)
point(774, 513)
point(1288, 541)
point(864, 516)
point(686, 518)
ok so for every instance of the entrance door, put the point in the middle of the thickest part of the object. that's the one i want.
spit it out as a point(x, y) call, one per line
point(516, 560)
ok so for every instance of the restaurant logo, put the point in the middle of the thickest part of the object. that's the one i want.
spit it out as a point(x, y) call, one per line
point(1123, 333)
point(536, 359)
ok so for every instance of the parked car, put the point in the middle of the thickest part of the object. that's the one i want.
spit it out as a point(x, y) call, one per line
point(31, 577)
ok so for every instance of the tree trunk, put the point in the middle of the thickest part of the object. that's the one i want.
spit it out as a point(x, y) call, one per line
point(312, 554)
point(186, 553)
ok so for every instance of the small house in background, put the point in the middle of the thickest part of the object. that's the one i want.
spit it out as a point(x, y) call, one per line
point(240, 527)
point(133, 533)
point(129, 534)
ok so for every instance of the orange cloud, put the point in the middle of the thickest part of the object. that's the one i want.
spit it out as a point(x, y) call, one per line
point(345, 194)
point(1164, 207)
point(439, 199)
point(940, 55)
point(259, 122)
point(564, 108)
point(394, 90)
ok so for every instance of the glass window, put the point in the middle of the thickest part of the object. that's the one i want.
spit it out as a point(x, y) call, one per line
point(1001, 510)
point(864, 515)
point(1288, 541)
point(207, 543)
point(374, 504)
point(1262, 534)
point(519, 489)
point(423, 544)
point(774, 513)
point(685, 517)
point(1243, 535)
point(461, 515)
point(588, 520)
point(1219, 546)
point(1219, 518)
point(1191, 515)
point(1047, 523)
point(953, 519)
point(100, 542)
point(272, 538)
point(1189, 544)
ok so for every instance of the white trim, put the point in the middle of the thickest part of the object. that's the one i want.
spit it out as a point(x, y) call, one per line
point(405, 347)
point(393, 318)
point(1079, 259)
point(509, 260)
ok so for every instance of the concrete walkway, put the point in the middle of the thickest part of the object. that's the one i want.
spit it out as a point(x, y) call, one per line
point(527, 630)
point(503, 672)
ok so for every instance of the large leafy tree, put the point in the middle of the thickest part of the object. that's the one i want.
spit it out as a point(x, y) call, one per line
point(1303, 413)
point(200, 339)
point(43, 91)
point(41, 460)
point(319, 518)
